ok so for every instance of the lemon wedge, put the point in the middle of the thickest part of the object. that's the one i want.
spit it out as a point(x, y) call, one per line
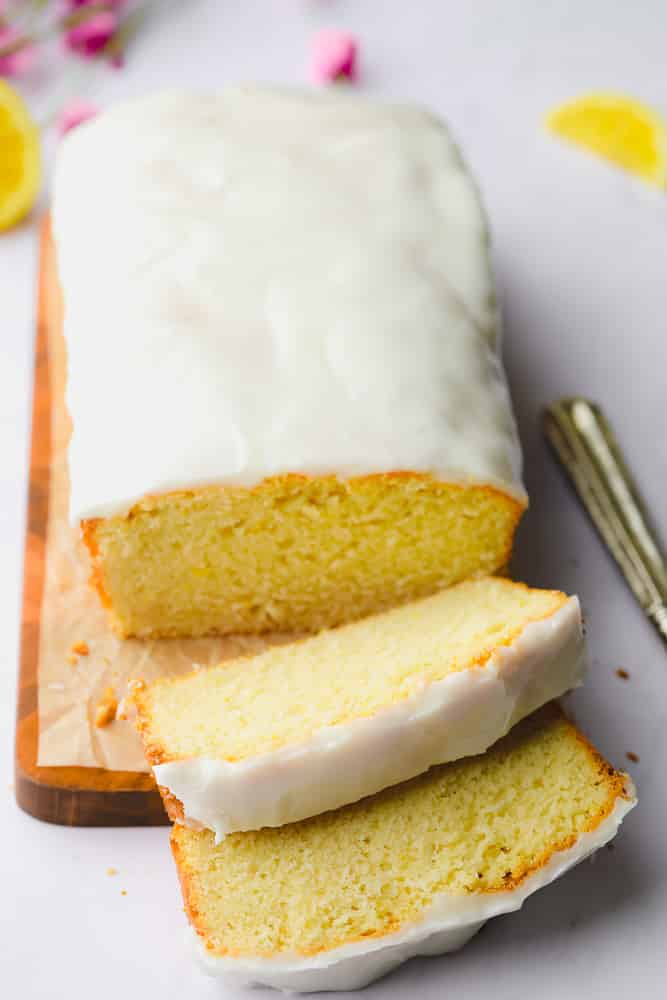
point(20, 160)
point(617, 128)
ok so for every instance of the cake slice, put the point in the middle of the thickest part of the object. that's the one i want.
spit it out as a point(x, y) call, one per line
point(313, 725)
point(292, 411)
point(338, 900)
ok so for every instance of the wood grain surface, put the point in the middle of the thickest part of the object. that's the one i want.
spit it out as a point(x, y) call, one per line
point(72, 796)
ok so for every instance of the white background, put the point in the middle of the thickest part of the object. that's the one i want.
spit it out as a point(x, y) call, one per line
point(581, 256)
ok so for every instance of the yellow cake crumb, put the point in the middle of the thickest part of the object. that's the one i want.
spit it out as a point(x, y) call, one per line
point(352, 672)
point(105, 711)
point(482, 824)
point(294, 554)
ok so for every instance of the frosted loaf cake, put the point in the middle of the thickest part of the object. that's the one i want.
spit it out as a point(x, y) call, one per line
point(317, 724)
point(288, 405)
point(336, 901)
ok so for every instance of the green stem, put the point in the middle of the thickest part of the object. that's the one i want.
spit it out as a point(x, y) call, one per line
point(124, 34)
point(11, 47)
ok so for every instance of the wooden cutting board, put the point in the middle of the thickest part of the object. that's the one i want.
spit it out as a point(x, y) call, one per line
point(72, 796)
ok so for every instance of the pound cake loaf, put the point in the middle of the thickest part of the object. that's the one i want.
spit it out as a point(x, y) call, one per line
point(313, 725)
point(288, 405)
point(338, 900)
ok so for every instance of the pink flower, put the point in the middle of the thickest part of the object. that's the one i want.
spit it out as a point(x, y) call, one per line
point(91, 35)
point(19, 61)
point(333, 56)
point(74, 113)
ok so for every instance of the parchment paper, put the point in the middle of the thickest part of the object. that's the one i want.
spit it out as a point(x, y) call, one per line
point(71, 614)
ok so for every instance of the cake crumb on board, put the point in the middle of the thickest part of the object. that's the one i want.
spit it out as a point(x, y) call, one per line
point(77, 649)
point(106, 708)
point(112, 871)
point(123, 711)
point(632, 756)
point(623, 674)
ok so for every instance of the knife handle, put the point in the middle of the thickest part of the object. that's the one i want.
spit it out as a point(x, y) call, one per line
point(583, 441)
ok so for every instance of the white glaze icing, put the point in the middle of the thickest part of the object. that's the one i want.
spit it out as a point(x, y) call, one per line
point(448, 924)
point(461, 715)
point(268, 281)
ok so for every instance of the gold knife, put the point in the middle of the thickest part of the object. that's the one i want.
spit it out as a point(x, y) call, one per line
point(582, 439)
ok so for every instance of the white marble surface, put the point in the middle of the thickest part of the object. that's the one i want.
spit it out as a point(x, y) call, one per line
point(581, 259)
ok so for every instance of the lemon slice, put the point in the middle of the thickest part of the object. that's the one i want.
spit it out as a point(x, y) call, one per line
point(20, 161)
point(617, 128)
